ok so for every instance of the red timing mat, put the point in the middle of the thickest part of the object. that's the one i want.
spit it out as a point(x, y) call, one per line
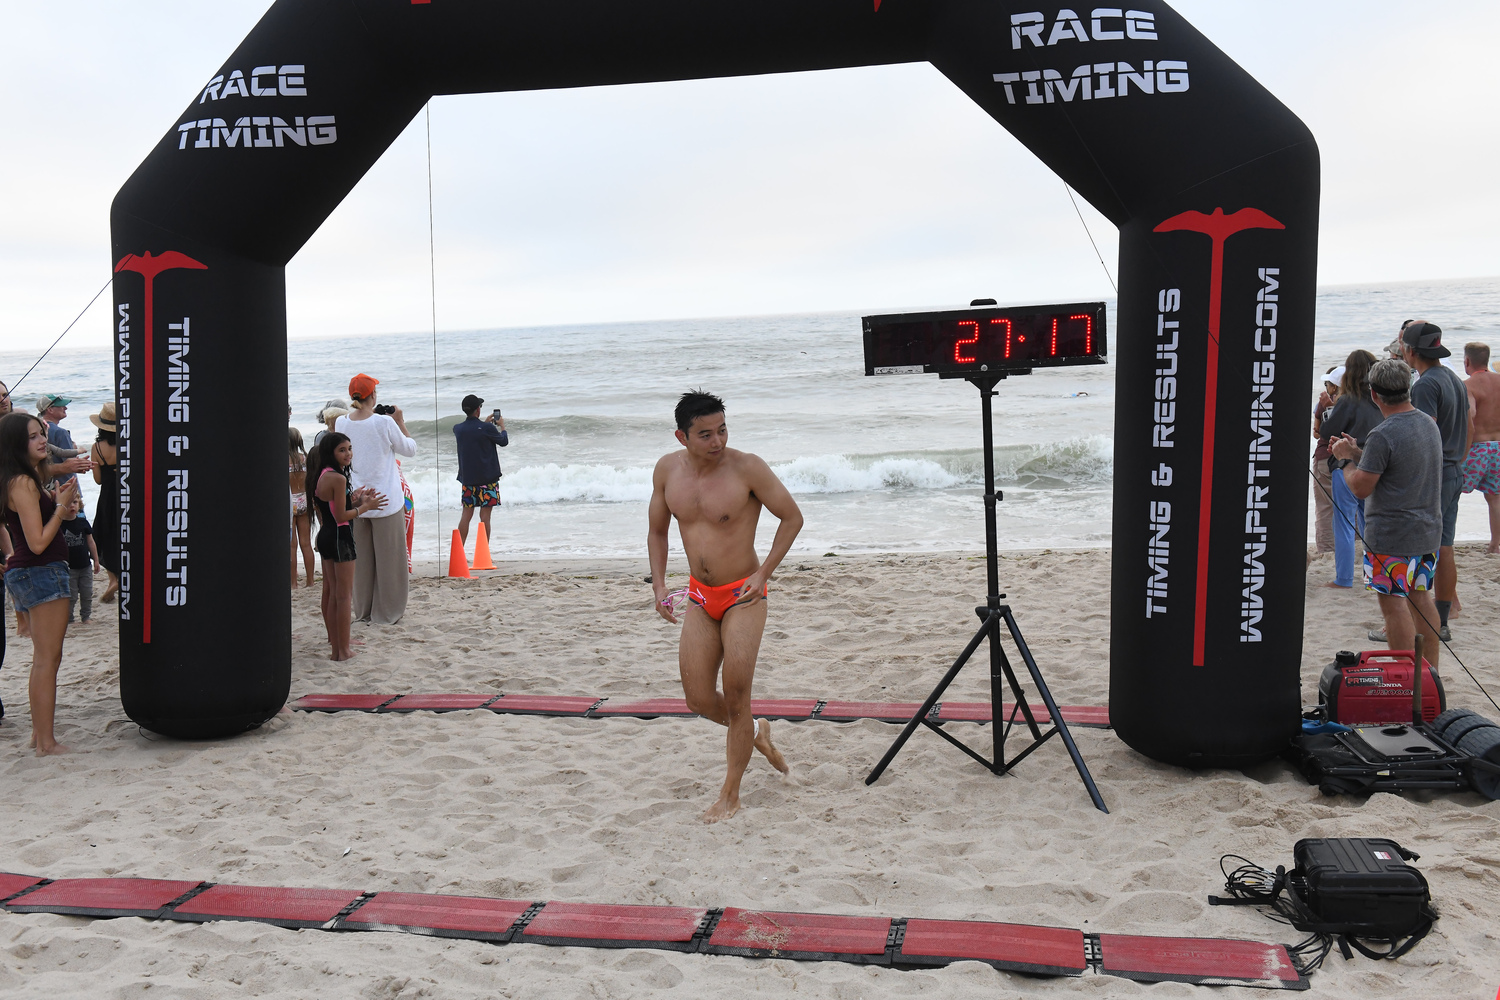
point(1205, 961)
point(103, 897)
point(667, 927)
point(284, 907)
point(12, 884)
point(790, 709)
point(761, 934)
point(649, 709)
point(438, 702)
point(474, 917)
point(882, 711)
point(1052, 951)
point(1093, 716)
point(751, 933)
point(340, 702)
point(541, 704)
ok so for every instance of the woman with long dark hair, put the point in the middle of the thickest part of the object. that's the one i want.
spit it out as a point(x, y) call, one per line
point(37, 574)
point(330, 494)
point(107, 511)
point(1355, 414)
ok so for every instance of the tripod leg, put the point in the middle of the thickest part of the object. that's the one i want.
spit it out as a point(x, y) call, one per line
point(999, 668)
point(1057, 719)
point(990, 624)
point(1015, 688)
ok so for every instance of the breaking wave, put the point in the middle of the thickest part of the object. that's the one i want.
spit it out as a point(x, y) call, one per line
point(1084, 462)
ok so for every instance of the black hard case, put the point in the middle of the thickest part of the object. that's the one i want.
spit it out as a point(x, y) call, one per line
point(1346, 882)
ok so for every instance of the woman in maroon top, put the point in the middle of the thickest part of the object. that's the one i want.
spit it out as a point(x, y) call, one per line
point(37, 574)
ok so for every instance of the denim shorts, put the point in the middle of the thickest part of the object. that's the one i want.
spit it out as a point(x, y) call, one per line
point(33, 585)
point(1452, 489)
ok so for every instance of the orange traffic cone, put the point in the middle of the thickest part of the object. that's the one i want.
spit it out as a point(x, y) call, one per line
point(457, 564)
point(482, 550)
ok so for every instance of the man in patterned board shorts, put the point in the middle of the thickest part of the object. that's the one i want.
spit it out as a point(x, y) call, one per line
point(1399, 475)
point(479, 463)
point(1482, 467)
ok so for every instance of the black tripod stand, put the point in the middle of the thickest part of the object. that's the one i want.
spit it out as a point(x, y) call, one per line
point(1000, 670)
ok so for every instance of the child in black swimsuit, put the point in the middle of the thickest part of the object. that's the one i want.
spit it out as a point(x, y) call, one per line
point(329, 493)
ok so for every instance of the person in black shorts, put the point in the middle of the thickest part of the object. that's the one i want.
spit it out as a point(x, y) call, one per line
point(1440, 393)
point(337, 504)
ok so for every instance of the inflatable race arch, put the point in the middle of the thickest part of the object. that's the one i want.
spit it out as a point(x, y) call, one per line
point(1212, 182)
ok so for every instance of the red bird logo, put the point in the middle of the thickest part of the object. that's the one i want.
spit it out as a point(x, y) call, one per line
point(1217, 227)
point(149, 267)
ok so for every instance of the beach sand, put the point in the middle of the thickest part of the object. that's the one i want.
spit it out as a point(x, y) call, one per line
point(607, 810)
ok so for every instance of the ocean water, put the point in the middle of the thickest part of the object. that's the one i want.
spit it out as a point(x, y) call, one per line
point(876, 464)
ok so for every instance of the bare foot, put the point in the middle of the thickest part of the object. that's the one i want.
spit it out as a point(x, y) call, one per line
point(1456, 607)
point(1338, 586)
point(721, 810)
point(108, 596)
point(1493, 550)
point(767, 749)
point(347, 656)
point(55, 750)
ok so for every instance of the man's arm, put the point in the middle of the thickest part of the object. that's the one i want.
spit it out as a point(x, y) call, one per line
point(659, 519)
point(1360, 482)
point(774, 497)
point(499, 435)
point(1469, 434)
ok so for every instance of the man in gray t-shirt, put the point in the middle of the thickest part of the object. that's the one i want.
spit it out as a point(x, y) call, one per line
point(1399, 476)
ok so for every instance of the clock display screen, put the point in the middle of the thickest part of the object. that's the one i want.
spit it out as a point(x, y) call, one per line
point(985, 339)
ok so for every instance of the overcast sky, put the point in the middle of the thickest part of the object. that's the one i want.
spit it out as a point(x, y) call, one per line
point(852, 190)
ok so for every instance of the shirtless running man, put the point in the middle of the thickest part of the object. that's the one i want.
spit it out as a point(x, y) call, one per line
point(716, 493)
point(1481, 470)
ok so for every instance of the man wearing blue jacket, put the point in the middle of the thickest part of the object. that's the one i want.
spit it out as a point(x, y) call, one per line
point(479, 463)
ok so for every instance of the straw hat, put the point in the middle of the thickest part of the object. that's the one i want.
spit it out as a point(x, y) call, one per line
point(105, 418)
point(332, 408)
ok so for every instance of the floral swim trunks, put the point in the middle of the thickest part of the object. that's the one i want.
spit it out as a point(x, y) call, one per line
point(1399, 576)
point(1481, 470)
point(483, 495)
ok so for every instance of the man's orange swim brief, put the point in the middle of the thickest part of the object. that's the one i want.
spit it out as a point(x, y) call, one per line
point(717, 600)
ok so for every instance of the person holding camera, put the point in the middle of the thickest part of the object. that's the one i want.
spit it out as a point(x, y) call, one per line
point(479, 463)
point(378, 434)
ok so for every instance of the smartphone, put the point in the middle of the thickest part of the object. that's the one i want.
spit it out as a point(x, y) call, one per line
point(496, 413)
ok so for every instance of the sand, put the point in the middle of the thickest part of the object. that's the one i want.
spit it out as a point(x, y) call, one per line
point(606, 811)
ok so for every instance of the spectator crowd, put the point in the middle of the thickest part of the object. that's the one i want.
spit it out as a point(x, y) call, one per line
point(1399, 441)
point(348, 501)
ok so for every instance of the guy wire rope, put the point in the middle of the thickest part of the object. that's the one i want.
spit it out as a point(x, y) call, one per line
point(437, 454)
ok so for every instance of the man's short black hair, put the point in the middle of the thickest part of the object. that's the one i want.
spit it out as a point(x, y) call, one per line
point(471, 403)
point(696, 404)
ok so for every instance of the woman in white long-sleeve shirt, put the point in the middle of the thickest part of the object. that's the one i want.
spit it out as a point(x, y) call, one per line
point(380, 567)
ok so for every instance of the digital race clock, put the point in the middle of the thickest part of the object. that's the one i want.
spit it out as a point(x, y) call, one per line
point(965, 342)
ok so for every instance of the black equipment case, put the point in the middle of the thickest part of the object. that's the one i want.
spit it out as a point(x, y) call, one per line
point(1362, 887)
